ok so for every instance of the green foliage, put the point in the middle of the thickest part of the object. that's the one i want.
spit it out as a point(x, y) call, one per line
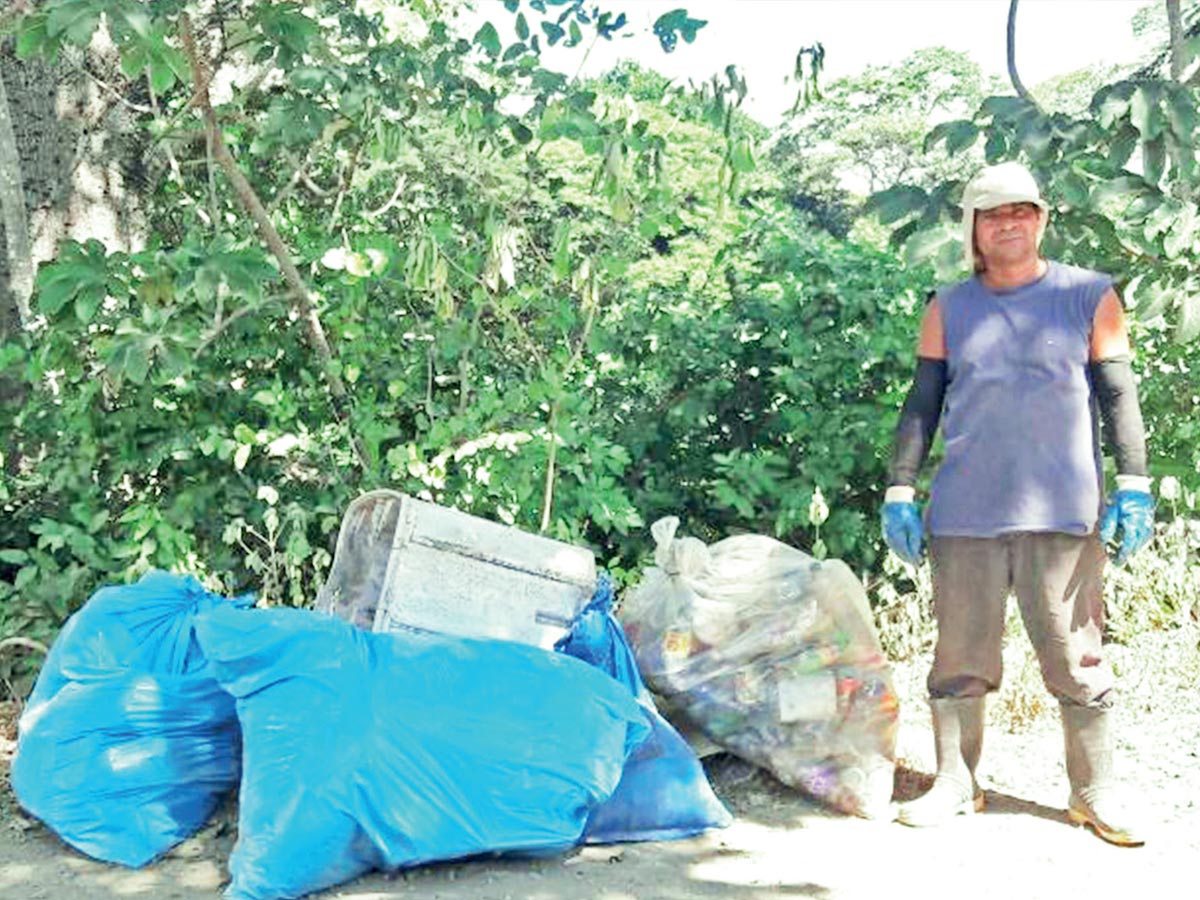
point(468, 263)
point(573, 307)
point(672, 26)
point(868, 132)
point(739, 410)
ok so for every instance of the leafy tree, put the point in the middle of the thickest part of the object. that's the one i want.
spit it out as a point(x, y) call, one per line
point(868, 131)
point(184, 405)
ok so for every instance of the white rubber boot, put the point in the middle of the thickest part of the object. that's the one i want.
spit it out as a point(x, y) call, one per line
point(958, 740)
point(1096, 801)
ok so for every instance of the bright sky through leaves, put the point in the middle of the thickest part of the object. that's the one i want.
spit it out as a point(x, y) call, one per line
point(762, 36)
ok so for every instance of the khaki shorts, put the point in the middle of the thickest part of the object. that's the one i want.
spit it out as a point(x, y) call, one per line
point(1058, 582)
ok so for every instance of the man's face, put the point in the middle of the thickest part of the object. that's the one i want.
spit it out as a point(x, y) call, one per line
point(1008, 234)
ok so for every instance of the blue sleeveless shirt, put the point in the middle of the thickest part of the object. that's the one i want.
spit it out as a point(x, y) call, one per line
point(1022, 449)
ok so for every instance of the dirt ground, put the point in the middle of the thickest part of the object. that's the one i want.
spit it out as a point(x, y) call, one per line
point(781, 844)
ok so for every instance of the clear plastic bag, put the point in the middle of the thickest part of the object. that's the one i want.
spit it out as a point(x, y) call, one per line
point(774, 656)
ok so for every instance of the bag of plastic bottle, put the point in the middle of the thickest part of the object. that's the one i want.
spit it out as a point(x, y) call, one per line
point(127, 743)
point(664, 793)
point(387, 750)
point(773, 655)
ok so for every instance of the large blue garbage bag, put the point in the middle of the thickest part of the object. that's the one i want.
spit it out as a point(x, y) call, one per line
point(127, 743)
point(379, 751)
point(664, 793)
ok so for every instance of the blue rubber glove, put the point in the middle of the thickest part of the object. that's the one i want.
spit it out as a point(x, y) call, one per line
point(903, 530)
point(1133, 513)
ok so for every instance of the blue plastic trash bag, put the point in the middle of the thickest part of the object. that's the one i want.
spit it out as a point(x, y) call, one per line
point(380, 751)
point(127, 743)
point(664, 793)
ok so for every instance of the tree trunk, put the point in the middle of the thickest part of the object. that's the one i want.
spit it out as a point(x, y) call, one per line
point(62, 168)
point(14, 215)
point(71, 146)
point(1175, 27)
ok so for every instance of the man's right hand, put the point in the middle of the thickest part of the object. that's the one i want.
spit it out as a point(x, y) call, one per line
point(902, 526)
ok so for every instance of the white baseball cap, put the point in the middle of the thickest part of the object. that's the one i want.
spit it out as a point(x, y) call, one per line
point(994, 186)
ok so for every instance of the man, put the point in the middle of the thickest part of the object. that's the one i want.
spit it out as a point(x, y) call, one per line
point(1018, 358)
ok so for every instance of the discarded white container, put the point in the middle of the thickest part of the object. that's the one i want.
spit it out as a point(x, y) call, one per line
point(403, 563)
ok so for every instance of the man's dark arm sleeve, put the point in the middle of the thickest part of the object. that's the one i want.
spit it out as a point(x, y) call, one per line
point(918, 421)
point(1120, 413)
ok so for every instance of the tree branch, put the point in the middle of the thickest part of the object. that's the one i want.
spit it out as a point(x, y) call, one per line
point(344, 184)
point(315, 332)
point(401, 184)
point(590, 301)
point(1012, 54)
point(25, 643)
point(1175, 27)
point(222, 323)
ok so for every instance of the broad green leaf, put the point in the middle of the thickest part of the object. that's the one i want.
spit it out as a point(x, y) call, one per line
point(14, 557)
point(1073, 188)
point(742, 157)
point(137, 363)
point(562, 249)
point(87, 301)
point(79, 270)
point(1007, 108)
point(925, 245)
point(162, 78)
point(897, 202)
point(1189, 318)
point(995, 148)
point(520, 133)
point(1112, 103)
point(309, 78)
point(522, 27)
point(135, 20)
point(1126, 186)
point(25, 577)
point(669, 27)
point(1154, 159)
point(489, 39)
point(54, 292)
point(1162, 218)
point(1150, 298)
point(899, 237)
point(957, 134)
point(74, 20)
point(1145, 114)
point(961, 136)
point(1143, 205)
point(32, 38)
point(1181, 237)
point(1035, 136)
point(1122, 145)
point(1181, 114)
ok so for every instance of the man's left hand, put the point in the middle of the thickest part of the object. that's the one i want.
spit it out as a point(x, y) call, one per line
point(1133, 513)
